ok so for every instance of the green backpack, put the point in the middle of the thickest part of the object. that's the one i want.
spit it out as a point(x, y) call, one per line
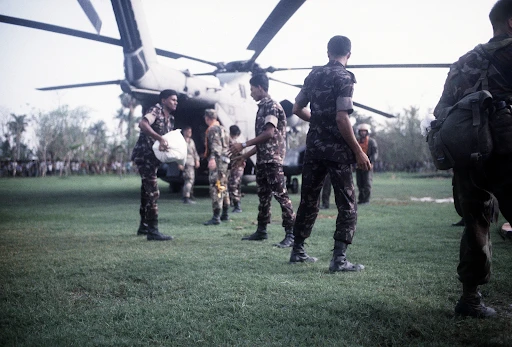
point(461, 136)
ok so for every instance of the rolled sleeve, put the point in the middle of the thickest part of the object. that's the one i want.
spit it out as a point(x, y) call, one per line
point(344, 103)
point(301, 99)
point(272, 120)
point(150, 117)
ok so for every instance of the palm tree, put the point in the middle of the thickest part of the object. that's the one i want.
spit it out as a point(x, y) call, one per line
point(130, 103)
point(17, 127)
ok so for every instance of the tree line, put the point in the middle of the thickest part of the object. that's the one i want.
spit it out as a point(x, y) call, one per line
point(66, 135)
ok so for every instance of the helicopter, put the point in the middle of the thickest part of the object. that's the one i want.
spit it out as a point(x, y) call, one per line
point(145, 77)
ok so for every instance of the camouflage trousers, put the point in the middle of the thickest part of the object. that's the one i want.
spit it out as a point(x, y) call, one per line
point(313, 175)
point(189, 176)
point(149, 192)
point(364, 180)
point(326, 190)
point(479, 192)
point(220, 198)
point(271, 182)
point(235, 184)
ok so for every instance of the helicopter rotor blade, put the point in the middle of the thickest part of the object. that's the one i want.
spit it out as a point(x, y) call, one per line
point(283, 82)
point(368, 66)
point(91, 13)
point(371, 109)
point(81, 85)
point(368, 108)
point(275, 21)
point(90, 36)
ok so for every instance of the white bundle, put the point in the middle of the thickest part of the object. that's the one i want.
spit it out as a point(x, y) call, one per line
point(425, 124)
point(177, 151)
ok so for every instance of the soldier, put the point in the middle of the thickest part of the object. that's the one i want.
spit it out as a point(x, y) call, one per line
point(270, 148)
point(477, 187)
point(191, 164)
point(236, 171)
point(331, 147)
point(216, 152)
point(157, 121)
point(364, 178)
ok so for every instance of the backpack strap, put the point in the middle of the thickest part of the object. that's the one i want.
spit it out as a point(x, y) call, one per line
point(497, 66)
point(475, 152)
point(482, 80)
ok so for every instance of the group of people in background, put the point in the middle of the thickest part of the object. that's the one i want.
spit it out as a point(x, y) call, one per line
point(332, 150)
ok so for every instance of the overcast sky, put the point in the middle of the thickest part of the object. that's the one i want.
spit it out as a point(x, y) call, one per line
point(382, 31)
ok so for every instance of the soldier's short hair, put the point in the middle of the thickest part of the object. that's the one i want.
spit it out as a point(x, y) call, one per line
point(234, 130)
point(164, 94)
point(211, 113)
point(500, 13)
point(259, 80)
point(339, 46)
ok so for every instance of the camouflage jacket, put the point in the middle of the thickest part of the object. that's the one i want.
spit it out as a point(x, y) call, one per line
point(143, 150)
point(217, 140)
point(273, 150)
point(465, 73)
point(328, 89)
point(192, 155)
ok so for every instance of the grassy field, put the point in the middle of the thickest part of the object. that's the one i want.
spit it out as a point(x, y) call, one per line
point(74, 273)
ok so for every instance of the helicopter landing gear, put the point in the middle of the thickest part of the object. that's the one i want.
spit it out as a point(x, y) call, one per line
point(292, 185)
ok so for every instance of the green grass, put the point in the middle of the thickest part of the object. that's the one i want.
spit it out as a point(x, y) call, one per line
point(73, 272)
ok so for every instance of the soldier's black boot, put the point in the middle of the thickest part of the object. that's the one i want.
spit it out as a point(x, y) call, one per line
point(143, 228)
point(224, 216)
point(260, 234)
point(339, 262)
point(299, 255)
point(154, 234)
point(470, 304)
point(288, 239)
point(215, 219)
point(237, 208)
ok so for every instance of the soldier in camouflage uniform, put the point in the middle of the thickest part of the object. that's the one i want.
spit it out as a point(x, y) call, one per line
point(478, 187)
point(216, 152)
point(157, 121)
point(191, 164)
point(270, 148)
point(236, 171)
point(331, 147)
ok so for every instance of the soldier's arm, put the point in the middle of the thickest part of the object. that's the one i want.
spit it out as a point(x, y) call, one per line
point(145, 127)
point(344, 88)
point(375, 151)
point(301, 102)
point(450, 90)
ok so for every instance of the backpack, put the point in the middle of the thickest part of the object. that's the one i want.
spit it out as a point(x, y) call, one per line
point(460, 137)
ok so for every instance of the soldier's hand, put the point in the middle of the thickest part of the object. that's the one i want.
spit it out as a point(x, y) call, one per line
point(235, 148)
point(363, 162)
point(212, 165)
point(164, 146)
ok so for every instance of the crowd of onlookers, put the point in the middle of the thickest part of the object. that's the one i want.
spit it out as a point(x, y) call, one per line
point(36, 168)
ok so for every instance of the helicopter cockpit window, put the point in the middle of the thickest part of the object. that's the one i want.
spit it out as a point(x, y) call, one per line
point(242, 91)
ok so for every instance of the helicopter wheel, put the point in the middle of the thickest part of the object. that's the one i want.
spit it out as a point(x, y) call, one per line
point(294, 187)
point(174, 187)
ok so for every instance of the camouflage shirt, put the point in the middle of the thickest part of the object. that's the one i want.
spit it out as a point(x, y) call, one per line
point(218, 142)
point(328, 89)
point(466, 71)
point(273, 150)
point(143, 150)
point(192, 155)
